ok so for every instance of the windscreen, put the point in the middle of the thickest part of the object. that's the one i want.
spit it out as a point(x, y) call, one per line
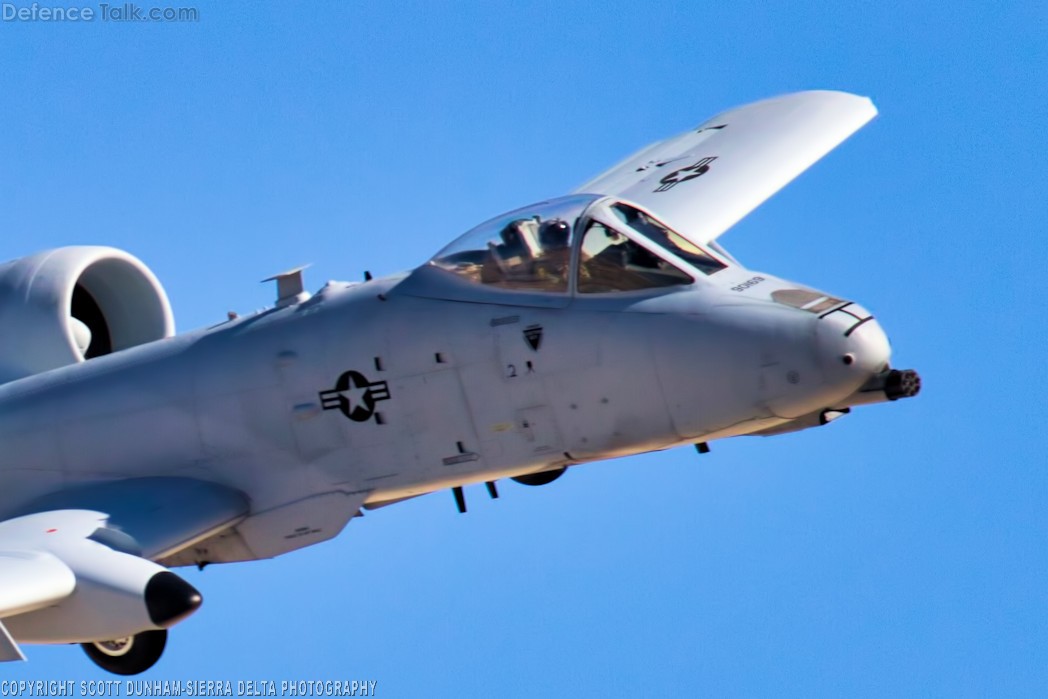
point(663, 235)
point(610, 262)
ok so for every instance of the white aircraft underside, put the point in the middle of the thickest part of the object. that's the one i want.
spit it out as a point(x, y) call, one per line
point(600, 324)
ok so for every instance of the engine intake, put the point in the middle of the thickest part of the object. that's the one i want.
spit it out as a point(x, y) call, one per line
point(71, 304)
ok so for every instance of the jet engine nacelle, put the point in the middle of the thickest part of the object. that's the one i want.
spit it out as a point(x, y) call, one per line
point(116, 595)
point(67, 305)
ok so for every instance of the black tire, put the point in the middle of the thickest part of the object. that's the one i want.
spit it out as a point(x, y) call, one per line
point(543, 478)
point(128, 656)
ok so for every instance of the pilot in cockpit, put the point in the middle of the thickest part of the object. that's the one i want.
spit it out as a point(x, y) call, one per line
point(555, 239)
point(533, 253)
point(512, 258)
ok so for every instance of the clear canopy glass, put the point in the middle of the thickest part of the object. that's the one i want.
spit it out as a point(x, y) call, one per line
point(609, 261)
point(528, 249)
point(622, 248)
point(659, 233)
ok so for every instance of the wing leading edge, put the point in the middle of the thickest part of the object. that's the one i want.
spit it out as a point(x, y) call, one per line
point(704, 181)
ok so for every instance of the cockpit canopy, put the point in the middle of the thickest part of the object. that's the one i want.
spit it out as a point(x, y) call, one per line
point(529, 248)
point(582, 243)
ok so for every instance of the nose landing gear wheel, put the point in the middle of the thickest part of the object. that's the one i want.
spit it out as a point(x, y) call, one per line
point(130, 655)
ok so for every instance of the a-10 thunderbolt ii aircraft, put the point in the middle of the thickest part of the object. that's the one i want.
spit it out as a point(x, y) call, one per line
point(604, 323)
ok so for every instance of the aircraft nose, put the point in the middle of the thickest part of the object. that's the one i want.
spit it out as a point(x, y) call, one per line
point(852, 344)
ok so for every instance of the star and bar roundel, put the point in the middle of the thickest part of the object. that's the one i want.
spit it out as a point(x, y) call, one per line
point(355, 396)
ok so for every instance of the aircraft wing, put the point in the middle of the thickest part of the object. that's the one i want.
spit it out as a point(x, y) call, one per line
point(184, 521)
point(29, 580)
point(158, 516)
point(31, 576)
point(704, 181)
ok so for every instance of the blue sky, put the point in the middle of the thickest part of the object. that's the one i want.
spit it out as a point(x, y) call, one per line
point(900, 551)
